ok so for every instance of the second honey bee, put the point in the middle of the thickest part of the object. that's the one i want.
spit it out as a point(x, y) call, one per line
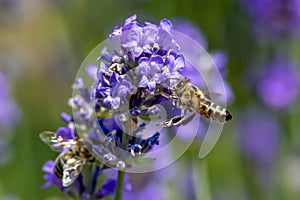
point(191, 99)
point(73, 156)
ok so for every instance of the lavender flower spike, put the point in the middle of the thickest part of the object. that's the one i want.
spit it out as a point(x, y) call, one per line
point(110, 124)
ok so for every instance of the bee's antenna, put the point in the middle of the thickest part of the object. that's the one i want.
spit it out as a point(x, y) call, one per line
point(166, 86)
point(175, 78)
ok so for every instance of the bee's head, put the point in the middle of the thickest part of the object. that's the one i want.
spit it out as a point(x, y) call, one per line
point(181, 84)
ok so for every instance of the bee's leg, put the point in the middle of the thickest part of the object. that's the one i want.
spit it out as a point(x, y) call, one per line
point(170, 122)
point(178, 120)
point(169, 96)
point(164, 94)
point(183, 118)
point(188, 119)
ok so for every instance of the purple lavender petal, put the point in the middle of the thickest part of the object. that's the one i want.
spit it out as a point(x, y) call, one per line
point(151, 86)
point(132, 36)
point(143, 61)
point(144, 82)
point(106, 55)
point(155, 65)
point(179, 63)
point(143, 67)
point(65, 117)
point(172, 52)
point(104, 80)
point(65, 133)
point(157, 60)
point(130, 19)
point(150, 34)
point(107, 188)
point(123, 91)
point(170, 61)
point(103, 92)
point(116, 32)
point(107, 102)
point(137, 51)
point(161, 77)
point(131, 26)
point(50, 178)
point(127, 41)
point(101, 69)
point(115, 102)
point(166, 24)
point(91, 70)
point(165, 39)
point(114, 79)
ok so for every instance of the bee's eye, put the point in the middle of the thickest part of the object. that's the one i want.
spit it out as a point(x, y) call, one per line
point(180, 85)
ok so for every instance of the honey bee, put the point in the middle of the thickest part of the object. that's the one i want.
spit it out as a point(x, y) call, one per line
point(190, 98)
point(73, 156)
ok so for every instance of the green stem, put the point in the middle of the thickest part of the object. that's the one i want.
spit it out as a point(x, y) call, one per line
point(119, 188)
point(120, 181)
point(89, 175)
point(201, 179)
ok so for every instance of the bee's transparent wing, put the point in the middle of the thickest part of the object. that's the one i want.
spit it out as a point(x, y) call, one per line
point(52, 140)
point(72, 170)
point(212, 136)
point(56, 142)
point(211, 95)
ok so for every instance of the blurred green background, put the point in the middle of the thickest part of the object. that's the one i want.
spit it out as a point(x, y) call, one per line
point(42, 44)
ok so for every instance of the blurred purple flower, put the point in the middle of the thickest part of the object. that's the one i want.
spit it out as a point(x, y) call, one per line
point(191, 30)
point(273, 18)
point(9, 116)
point(9, 112)
point(151, 185)
point(108, 188)
point(259, 137)
point(49, 176)
point(218, 57)
point(279, 84)
point(7, 6)
point(259, 141)
point(152, 190)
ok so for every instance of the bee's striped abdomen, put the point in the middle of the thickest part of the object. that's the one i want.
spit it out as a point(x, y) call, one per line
point(212, 111)
point(59, 165)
